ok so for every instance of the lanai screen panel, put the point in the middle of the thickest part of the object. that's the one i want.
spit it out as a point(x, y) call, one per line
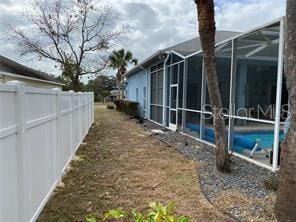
point(192, 96)
point(156, 80)
point(223, 67)
point(180, 92)
point(255, 93)
point(252, 88)
point(256, 81)
point(194, 83)
point(176, 78)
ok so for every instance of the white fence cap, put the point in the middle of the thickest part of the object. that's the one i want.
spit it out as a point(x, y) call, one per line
point(56, 89)
point(15, 83)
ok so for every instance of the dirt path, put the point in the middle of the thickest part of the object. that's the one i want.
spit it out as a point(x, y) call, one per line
point(121, 166)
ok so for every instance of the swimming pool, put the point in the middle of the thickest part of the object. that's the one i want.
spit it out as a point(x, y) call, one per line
point(266, 139)
point(241, 140)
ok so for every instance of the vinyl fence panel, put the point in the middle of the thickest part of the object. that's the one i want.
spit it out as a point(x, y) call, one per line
point(40, 130)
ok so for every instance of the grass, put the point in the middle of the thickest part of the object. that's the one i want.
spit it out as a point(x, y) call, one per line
point(121, 166)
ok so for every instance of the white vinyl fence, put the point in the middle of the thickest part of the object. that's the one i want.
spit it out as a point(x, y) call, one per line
point(40, 131)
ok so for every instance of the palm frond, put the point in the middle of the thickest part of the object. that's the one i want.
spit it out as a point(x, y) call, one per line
point(120, 59)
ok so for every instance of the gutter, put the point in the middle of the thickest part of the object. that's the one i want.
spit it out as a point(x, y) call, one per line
point(28, 78)
point(143, 62)
point(178, 54)
point(141, 67)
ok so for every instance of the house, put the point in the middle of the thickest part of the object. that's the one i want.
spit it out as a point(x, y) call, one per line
point(11, 70)
point(170, 86)
point(114, 94)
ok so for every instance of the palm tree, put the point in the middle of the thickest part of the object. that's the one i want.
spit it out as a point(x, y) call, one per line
point(119, 60)
point(207, 29)
point(286, 196)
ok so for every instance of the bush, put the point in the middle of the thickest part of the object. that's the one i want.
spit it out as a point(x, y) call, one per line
point(110, 106)
point(157, 213)
point(128, 107)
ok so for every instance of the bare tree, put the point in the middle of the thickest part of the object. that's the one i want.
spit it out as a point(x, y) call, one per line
point(74, 33)
point(286, 196)
point(207, 29)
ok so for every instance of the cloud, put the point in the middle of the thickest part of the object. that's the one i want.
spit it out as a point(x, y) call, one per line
point(157, 24)
point(6, 2)
point(243, 15)
point(141, 15)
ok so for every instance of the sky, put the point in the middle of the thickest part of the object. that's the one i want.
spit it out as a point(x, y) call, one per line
point(154, 24)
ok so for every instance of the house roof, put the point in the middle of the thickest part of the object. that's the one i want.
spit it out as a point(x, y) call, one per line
point(8, 65)
point(184, 49)
point(114, 92)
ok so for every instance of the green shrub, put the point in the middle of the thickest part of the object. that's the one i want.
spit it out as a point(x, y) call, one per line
point(157, 213)
point(110, 106)
point(128, 107)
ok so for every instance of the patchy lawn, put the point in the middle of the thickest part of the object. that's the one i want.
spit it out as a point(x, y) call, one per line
point(119, 165)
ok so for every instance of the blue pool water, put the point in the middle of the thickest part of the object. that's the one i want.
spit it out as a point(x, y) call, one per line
point(266, 139)
point(241, 140)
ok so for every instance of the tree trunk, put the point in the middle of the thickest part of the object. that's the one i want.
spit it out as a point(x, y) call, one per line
point(118, 82)
point(286, 196)
point(76, 83)
point(206, 19)
point(122, 72)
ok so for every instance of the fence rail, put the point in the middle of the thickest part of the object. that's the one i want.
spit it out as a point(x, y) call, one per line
point(40, 130)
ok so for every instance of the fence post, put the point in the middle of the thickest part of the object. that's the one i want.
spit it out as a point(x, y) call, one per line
point(57, 151)
point(79, 117)
point(23, 195)
point(89, 109)
point(82, 115)
point(92, 108)
point(72, 107)
point(85, 113)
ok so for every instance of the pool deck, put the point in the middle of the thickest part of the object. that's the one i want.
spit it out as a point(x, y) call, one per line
point(258, 156)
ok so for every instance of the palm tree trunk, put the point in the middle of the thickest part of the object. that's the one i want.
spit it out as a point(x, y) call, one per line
point(118, 82)
point(286, 196)
point(118, 87)
point(122, 72)
point(206, 19)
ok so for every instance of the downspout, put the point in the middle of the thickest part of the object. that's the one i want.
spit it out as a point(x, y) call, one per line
point(164, 89)
point(147, 111)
